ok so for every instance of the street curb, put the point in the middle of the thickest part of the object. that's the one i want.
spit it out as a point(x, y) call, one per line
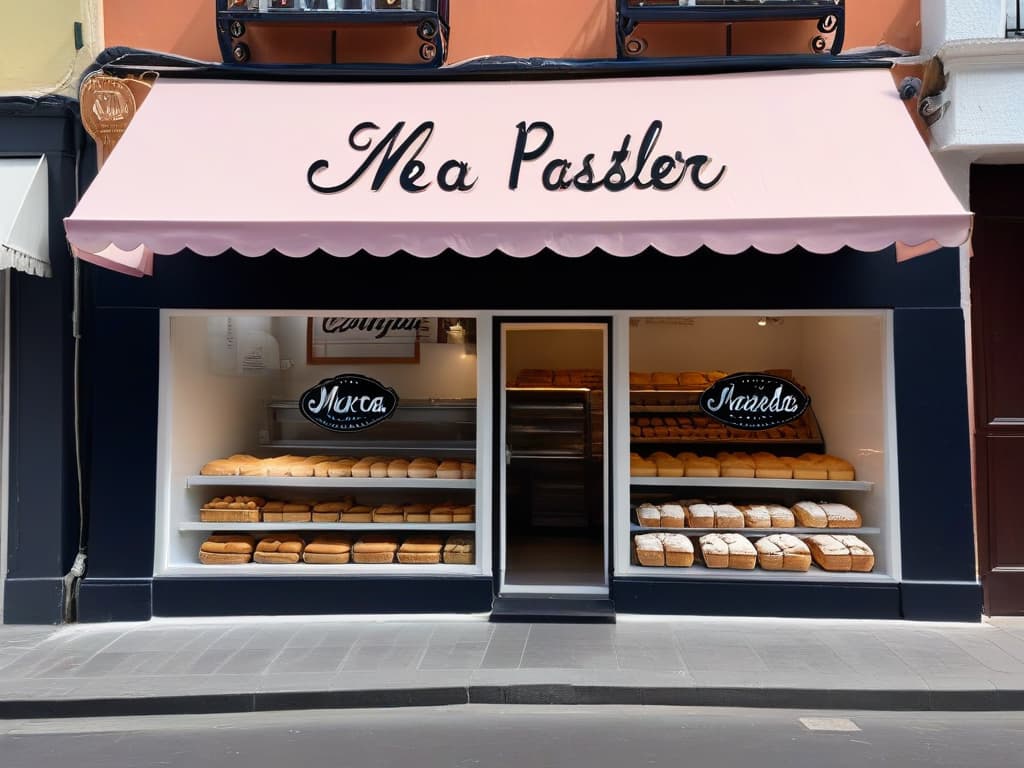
point(978, 700)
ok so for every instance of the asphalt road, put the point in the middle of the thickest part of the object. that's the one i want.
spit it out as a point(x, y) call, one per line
point(524, 737)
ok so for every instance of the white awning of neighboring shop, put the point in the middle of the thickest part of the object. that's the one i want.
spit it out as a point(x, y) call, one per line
point(24, 215)
point(772, 161)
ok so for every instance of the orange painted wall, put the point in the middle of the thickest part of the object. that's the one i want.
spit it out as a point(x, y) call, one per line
point(574, 28)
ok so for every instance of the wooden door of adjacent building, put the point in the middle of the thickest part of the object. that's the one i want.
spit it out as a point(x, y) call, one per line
point(997, 300)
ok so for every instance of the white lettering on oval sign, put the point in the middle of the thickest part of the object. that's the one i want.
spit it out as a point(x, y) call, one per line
point(348, 402)
point(754, 401)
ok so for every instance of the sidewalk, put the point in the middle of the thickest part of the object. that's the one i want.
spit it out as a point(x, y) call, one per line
point(237, 665)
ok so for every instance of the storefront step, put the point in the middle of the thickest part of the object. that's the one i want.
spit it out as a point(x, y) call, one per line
point(543, 608)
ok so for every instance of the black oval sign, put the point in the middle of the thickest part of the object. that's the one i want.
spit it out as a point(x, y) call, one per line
point(754, 401)
point(348, 402)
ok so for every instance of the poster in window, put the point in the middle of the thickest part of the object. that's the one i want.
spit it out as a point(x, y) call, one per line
point(338, 340)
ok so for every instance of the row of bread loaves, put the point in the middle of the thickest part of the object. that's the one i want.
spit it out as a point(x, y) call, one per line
point(776, 552)
point(340, 466)
point(336, 549)
point(697, 514)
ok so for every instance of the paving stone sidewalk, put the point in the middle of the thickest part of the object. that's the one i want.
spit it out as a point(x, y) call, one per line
point(229, 665)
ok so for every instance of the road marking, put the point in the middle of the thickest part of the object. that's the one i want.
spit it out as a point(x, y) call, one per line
point(829, 724)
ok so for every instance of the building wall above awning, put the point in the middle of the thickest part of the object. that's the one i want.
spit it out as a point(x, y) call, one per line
point(770, 161)
point(24, 215)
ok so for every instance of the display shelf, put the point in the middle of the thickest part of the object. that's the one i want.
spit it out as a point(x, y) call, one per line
point(702, 572)
point(297, 527)
point(751, 482)
point(395, 483)
point(867, 531)
point(397, 570)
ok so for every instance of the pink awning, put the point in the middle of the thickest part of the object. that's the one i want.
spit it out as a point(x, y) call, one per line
point(771, 161)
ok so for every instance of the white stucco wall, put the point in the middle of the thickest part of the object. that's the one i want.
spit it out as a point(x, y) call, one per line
point(945, 20)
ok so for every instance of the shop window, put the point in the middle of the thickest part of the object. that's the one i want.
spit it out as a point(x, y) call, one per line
point(310, 445)
point(663, 28)
point(761, 447)
point(329, 32)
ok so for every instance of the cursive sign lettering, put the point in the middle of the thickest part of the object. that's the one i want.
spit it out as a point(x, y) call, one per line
point(666, 171)
point(382, 325)
point(348, 403)
point(396, 152)
point(452, 176)
point(754, 401)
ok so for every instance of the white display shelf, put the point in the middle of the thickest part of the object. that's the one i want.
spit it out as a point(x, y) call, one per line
point(702, 572)
point(760, 531)
point(397, 570)
point(751, 482)
point(297, 527)
point(239, 481)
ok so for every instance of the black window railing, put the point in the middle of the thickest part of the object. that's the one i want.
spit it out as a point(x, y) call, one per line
point(1014, 19)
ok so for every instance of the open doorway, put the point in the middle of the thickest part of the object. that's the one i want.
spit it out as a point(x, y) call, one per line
point(554, 500)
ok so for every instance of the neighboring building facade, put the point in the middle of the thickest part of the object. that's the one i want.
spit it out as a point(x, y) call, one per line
point(979, 143)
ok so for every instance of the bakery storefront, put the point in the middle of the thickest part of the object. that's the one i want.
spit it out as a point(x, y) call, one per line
point(672, 343)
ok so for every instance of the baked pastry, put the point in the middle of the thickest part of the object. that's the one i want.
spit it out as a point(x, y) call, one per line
point(804, 469)
point(464, 514)
point(678, 549)
point(286, 512)
point(736, 464)
point(839, 469)
point(648, 516)
point(639, 467)
point(226, 549)
point(669, 466)
point(782, 552)
point(331, 511)
point(449, 469)
point(702, 466)
point(232, 509)
point(862, 559)
point(727, 516)
point(360, 513)
point(468, 470)
point(375, 548)
point(443, 513)
point(421, 549)
point(782, 517)
point(693, 380)
point(771, 466)
point(728, 550)
point(673, 515)
point(639, 380)
point(841, 516)
point(416, 513)
point(328, 549)
point(388, 513)
point(664, 380)
point(841, 553)
point(340, 468)
point(458, 550)
point(422, 468)
point(279, 548)
point(756, 516)
point(649, 549)
point(362, 468)
point(809, 515)
point(700, 516)
point(230, 466)
point(379, 468)
point(398, 468)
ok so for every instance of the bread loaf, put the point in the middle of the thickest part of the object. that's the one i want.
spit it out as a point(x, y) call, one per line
point(782, 552)
point(810, 515)
point(328, 549)
point(678, 549)
point(421, 549)
point(648, 516)
point(359, 513)
point(416, 513)
point(375, 548)
point(458, 550)
point(673, 516)
point(728, 550)
point(700, 516)
point(388, 513)
point(840, 515)
point(283, 548)
point(649, 549)
point(449, 469)
point(829, 552)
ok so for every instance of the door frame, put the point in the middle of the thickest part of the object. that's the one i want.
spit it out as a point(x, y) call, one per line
point(500, 326)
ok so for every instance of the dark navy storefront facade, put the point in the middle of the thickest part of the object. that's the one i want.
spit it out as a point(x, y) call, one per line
point(122, 369)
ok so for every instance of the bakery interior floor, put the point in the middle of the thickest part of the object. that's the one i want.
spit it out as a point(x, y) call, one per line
point(165, 666)
point(571, 561)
